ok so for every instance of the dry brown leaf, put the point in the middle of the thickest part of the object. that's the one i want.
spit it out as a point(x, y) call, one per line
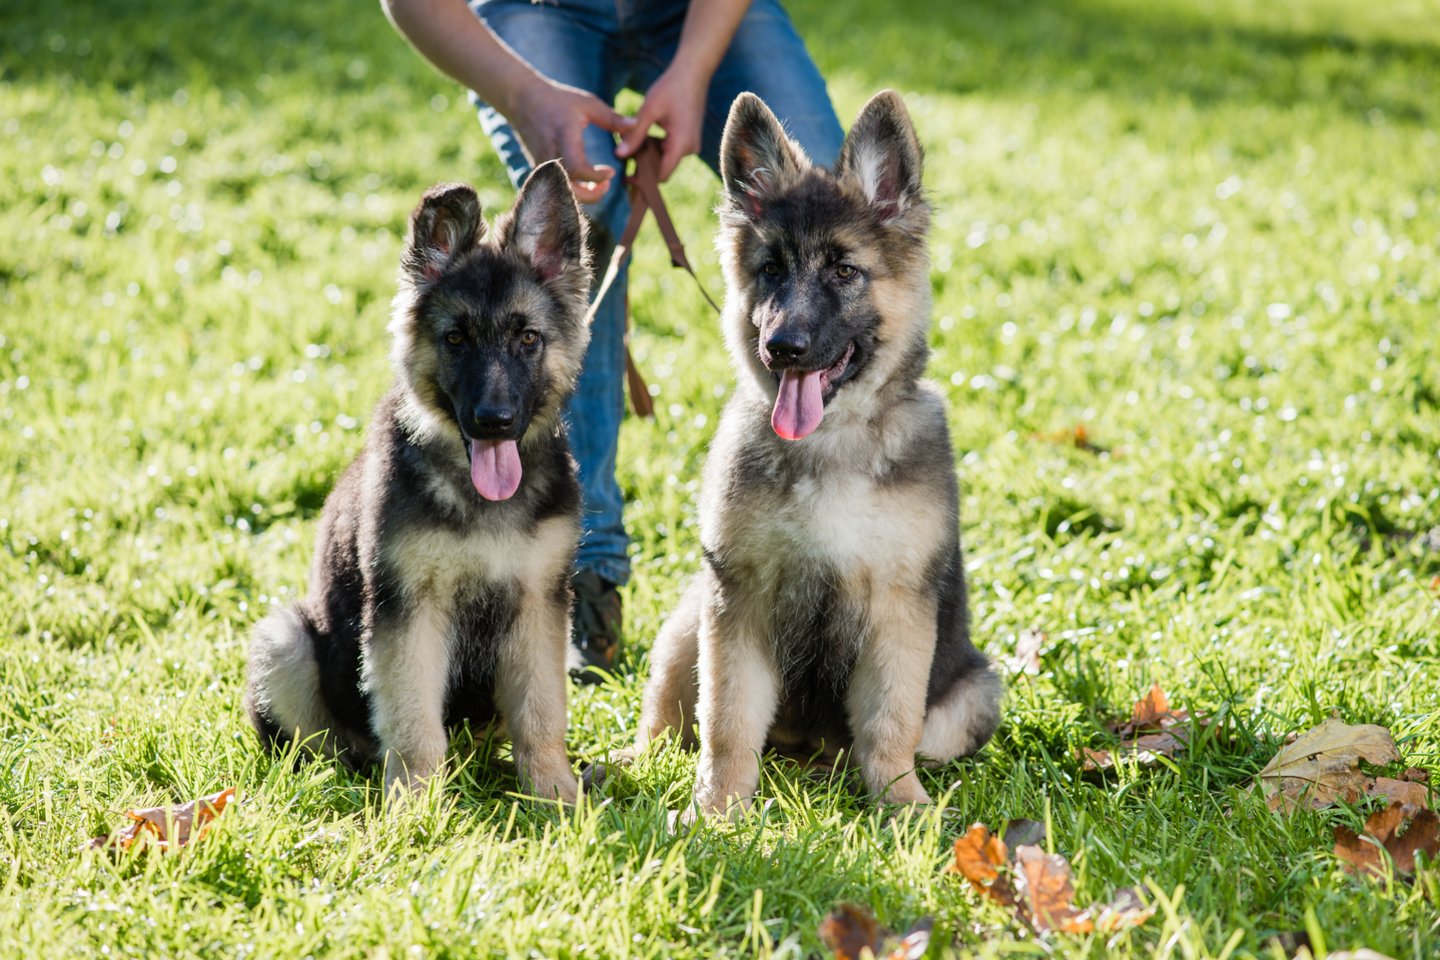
point(1322, 766)
point(1078, 437)
point(852, 932)
point(1415, 775)
point(1149, 709)
point(1154, 730)
point(1383, 830)
point(1125, 911)
point(1399, 791)
point(978, 857)
point(168, 827)
point(1145, 750)
point(1150, 714)
point(1047, 892)
point(1037, 884)
point(1026, 659)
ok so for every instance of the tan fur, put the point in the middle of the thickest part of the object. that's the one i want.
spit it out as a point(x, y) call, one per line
point(854, 525)
point(531, 696)
point(450, 606)
point(738, 695)
point(886, 699)
point(673, 692)
point(407, 678)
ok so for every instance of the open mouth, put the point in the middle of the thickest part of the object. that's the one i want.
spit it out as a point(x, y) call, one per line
point(802, 395)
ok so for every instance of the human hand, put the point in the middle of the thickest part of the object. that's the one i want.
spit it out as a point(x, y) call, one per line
point(676, 104)
point(550, 118)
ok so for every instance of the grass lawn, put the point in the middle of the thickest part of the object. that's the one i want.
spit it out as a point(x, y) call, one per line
point(1207, 231)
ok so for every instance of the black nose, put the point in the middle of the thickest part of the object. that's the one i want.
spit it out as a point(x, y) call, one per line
point(492, 421)
point(788, 347)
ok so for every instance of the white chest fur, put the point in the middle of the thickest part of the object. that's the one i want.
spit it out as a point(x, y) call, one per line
point(435, 565)
point(844, 520)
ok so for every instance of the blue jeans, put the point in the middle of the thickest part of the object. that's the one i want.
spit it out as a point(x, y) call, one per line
point(605, 46)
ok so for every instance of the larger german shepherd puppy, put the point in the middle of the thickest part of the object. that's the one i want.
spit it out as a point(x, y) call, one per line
point(830, 610)
point(440, 591)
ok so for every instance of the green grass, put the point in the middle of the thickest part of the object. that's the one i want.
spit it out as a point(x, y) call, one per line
point(1208, 231)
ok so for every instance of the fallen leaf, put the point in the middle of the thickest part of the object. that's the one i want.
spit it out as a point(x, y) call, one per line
point(1026, 659)
point(1145, 750)
point(1078, 437)
point(1416, 775)
point(1150, 709)
point(852, 932)
point(1021, 832)
point(1322, 766)
point(1399, 791)
point(1421, 834)
point(1047, 891)
point(978, 857)
point(1125, 911)
point(1150, 714)
point(1038, 885)
point(1154, 730)
point(167, 827)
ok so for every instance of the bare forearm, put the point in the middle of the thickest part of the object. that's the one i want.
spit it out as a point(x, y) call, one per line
point(452, 38)
point(709, 27)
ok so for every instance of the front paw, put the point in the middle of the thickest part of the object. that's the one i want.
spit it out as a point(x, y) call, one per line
point(714, 803)
point(403, 781)
point(553, 781)
point(686, 819)
point(904, 789)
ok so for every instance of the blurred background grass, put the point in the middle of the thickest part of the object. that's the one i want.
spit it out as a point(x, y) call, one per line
point(1205, 232)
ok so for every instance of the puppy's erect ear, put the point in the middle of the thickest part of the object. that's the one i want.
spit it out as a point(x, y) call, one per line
point(757, 158)
point(548, 228)
point(446, 225)
point(882, 157)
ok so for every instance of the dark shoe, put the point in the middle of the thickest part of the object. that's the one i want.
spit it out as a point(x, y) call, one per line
point(595, 626)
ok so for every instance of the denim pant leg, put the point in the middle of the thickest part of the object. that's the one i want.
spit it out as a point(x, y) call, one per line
point(768, 58)
point(568, 45)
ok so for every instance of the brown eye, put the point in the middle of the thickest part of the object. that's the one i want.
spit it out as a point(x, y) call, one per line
point(529, 338)
point(454, 338)
point(846, 272)
point(771, 269)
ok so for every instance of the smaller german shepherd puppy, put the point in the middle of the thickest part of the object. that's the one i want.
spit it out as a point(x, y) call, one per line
point(439, 592)
point(830, 610)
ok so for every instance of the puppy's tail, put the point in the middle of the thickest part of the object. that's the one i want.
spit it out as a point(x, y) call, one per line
point(965, 718)
point(282, 689)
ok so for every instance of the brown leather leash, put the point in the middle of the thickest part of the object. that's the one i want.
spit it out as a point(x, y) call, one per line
point(642, 181)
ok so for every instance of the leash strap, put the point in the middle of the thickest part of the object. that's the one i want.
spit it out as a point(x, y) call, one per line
point(643, 183)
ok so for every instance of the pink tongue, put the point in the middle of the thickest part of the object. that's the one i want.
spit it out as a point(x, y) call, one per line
point(798, 405)
point(495, 468)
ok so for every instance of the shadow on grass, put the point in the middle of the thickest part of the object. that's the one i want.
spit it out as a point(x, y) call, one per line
point(158, 48)
point(1143, 53)
point(1136, 52)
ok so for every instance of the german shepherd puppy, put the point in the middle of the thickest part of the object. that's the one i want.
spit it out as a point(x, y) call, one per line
point(830, 610)
point(439, 592)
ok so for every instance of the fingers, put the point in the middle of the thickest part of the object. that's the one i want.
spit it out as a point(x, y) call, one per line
point(589, 181)
point(674, 148)
point(631, 139)
point(606, 118)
